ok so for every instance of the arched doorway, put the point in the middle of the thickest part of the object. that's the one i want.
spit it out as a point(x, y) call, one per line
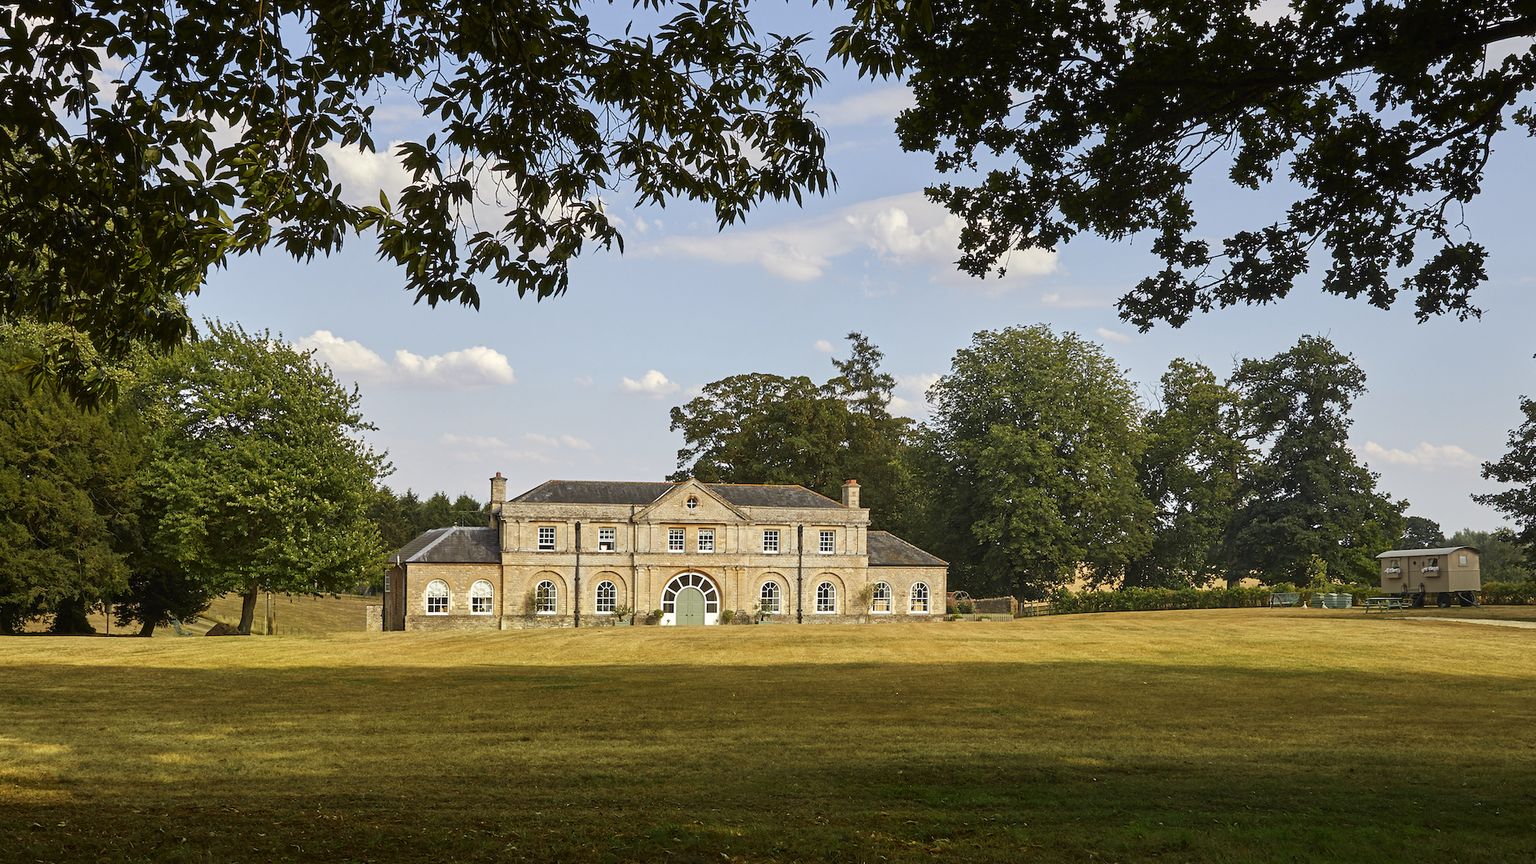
point(690, 599)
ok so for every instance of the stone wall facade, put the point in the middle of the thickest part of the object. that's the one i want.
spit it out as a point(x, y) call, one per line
point(565, 565)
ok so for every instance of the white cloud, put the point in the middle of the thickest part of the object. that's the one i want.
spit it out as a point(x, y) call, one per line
point(570, 442)
point(583, 380)
point(344, 356)
point(1056, 300)
point(483, 448)
point(823, 346)
point(363, 174)
point(1109, 335)
point(471, 367)
point(1426, 455)
point(652, 383)
point(911, 396)
point(906, 230)
point(883, 104)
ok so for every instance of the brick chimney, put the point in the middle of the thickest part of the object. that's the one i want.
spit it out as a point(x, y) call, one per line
point(498, 493)
point(851, 494)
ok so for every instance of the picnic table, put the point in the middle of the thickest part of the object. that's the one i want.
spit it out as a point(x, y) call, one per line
point(1385, 603)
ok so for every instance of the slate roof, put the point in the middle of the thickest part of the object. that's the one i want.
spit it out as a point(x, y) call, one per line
point(888, 550)
point(456, 545)
point(641, 494)
point(1424, 553)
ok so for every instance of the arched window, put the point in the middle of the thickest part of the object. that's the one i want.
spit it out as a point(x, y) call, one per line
point(768, 598)
point(481, 596)
point(607, 597)
point(826, 598)
point(690, 580)
point(919, 597)
point(437, 597)
point(880, 599)
point(544, 598)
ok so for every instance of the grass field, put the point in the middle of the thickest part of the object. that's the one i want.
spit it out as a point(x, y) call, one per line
point(1222, 735)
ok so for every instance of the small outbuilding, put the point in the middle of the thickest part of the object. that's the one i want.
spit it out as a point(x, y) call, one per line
point(1448, 574)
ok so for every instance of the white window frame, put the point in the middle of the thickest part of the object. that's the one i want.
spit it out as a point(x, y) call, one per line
point(611, 602)
point(827, 543)
point(477, 595)
point(826, 598)
point(677, 540)
point(540, 595)
point(919, 594)
point(546, 545)
point(770, 600)
point(1463, 561)
point(429, 595)
point(692, 502)
point(706, 548)
point(880, 594)
point(607, 539)
point(770, 547)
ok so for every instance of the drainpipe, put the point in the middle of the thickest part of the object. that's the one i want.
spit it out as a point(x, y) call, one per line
point(800, 574)
point(576, 600)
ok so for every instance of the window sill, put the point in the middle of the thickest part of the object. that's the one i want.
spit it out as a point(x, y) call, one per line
point(547, 614)
point(879, 611)
point(436, 614)
point(482, 614)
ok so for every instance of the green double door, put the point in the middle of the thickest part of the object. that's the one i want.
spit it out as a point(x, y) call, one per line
point(690, 608)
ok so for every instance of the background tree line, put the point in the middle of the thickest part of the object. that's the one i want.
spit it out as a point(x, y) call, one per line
point(234, 464)
point(1040, 467)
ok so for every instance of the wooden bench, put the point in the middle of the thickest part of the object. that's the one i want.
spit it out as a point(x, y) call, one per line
point(1384, 604)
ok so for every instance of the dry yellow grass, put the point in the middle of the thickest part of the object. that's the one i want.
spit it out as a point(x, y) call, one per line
point(1222, 735)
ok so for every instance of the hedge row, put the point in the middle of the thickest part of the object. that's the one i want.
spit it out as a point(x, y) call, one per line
point(1509, 593)
point(1157, 599)
point(1154, 599)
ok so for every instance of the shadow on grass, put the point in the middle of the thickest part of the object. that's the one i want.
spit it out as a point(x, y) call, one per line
point(1001, 762)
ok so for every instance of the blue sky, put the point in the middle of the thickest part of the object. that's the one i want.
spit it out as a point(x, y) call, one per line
point(580, 386)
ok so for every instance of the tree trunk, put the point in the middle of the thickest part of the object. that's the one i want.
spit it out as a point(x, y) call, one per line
point(248, 610)
point(149, 625)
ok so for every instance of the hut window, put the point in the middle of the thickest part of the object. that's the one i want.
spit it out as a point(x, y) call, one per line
point(1463, 561)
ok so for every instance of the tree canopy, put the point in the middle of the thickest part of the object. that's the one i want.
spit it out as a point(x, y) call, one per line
point(1516, 469)
point(1033, 447)
point(1191, 472)
point(259, 480)
point(765, 428)
point(1096, 117)
point(144, 143)
point(1308, 500)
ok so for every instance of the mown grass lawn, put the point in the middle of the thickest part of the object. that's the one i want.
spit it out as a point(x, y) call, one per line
point(1222, 735)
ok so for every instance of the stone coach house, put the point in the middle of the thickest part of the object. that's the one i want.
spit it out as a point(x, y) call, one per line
point(590, 553)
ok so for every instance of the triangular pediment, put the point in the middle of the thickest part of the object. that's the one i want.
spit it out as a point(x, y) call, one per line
point(708, 506)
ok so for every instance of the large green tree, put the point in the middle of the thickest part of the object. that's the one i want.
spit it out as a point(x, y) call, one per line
point(1500, 556)
point(1191, 472)
point(1097, 117)
point(1308, 499)
point(763, 428)
point(1421, 532)
point(68, 498)
point(144, 143)
point(1033, 448)
point(1517, 470)
point(260, 480)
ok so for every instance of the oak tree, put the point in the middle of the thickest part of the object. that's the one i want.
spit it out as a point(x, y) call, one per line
point(142, 144)
point(1308, 499)
point(1096, 117)
point(259, 480)
point(1035, 438)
